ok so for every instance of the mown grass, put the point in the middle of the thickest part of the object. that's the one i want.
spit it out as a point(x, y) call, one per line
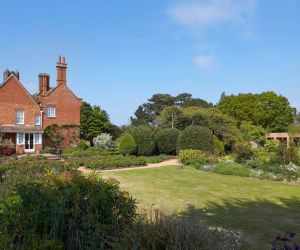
point(259, 210)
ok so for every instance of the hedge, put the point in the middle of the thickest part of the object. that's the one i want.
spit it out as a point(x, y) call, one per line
point(195, 137)
point(144, 139)
point(127, 144)
point(166, 141)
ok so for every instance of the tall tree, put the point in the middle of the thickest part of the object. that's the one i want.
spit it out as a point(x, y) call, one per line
point(171, 117)
point(197, 102)
point(269, 110)
point(182, 98)
point(94, 121)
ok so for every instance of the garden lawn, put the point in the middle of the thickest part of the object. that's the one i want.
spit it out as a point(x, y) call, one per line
point(259, 210)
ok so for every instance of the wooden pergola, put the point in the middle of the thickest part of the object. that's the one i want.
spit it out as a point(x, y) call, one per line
point(286, 137)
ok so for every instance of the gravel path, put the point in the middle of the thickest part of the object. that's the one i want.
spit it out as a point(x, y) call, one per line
point(172, 162)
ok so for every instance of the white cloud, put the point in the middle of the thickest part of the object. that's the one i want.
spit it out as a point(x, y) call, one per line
point(211, 12)
point(205, 62)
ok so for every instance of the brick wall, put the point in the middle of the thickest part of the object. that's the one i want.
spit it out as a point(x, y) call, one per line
point(12, 97)
point(67, 107)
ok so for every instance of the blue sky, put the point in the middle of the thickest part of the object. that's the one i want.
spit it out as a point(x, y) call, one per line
point(120, 52)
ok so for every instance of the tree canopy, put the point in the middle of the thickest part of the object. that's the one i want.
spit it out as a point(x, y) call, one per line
point(149, 112)
point(93, 121)
point(269, 110)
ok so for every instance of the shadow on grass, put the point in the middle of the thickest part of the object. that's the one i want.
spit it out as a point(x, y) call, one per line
point(258, 221)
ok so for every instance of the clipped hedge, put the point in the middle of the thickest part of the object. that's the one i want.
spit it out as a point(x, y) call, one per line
point(127, 144)
point(195, 137)
point(144, 139)
point(166, 141)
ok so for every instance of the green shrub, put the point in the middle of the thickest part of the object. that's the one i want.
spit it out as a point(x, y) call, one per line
point(286, 155)
point(231, 169)
point(144, 139)
point(83, 144)
point(90, 152)
point(166, 141)
point(271, 145)
point(218, 146)
point(127, 145)
point(66, 211)
point(193, 157)
point(243, 153)
point(46, 150)
point(196, 137)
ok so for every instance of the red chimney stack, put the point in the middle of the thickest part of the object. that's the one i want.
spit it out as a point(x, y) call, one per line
point(44, 81)
point(61, 71)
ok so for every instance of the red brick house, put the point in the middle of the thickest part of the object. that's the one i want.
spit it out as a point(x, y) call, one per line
point(24, 117)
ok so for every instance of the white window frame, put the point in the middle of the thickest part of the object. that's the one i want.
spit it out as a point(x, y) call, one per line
point(37, 120)
point(19, 136)
point(37, 138)
point(16, 117)
point(50, 111)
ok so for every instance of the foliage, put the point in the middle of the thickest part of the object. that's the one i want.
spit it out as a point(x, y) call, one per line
point(127, 145)
point(218, 146)
point(83, 144)
point(110, 162)
point(174, 232)
point(290, 241)
point(231, 169)
point(271, 146)
point(197, 102)
point(144, 139)
point(269, 110)
point(286, 155)
point(254, 133)
point(221, 125)
point(243, 152)
point(53, 133)
point(195, 137)
point(149, 113)
point(69, 211)
point(103, 140)
point(93, 121)
point(193, 157)
point(7, 148)
point(166, 141)
point(171, 117)
point(76, 152)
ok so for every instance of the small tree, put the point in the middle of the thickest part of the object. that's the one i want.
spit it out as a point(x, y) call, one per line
point(127, 145)
point(103, 141)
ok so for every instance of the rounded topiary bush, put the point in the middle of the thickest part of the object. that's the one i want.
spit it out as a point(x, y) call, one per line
point(144, 139)
point(127, 145)
point(166, 141)
point(195, 137)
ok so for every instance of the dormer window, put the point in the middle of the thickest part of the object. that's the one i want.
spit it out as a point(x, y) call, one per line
point(19, 117)
point(51, 111)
